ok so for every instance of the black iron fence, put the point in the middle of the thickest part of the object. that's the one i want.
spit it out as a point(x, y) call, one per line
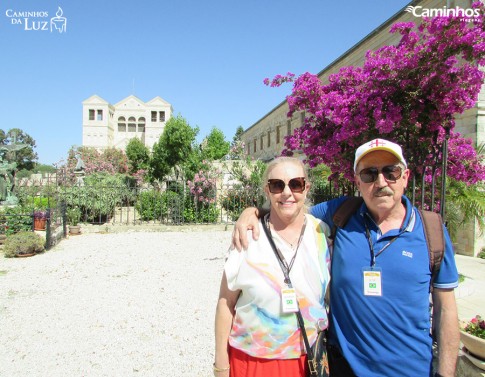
point(175, 204)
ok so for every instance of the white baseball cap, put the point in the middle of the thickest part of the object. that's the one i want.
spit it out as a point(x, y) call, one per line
point(379, 145)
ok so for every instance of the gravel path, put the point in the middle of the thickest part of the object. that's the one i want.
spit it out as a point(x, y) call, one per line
point(124, 304)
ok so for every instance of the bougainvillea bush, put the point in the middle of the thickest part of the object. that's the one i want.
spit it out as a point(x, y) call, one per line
point(408, 93)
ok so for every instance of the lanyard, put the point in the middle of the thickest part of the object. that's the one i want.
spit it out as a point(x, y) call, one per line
point(374, 255)
point(285, 267)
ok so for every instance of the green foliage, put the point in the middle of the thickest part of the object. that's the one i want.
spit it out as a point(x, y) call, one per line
point(235, 200)
point(481, 254)
point(24, 173)
point(464, 203)
point(43, 168)
point(237, 146)
point(153, 205)
point(99, 195)
point(15, 219)
point(214, 146)
point(173, 148)
point(149, 205)
point(73, 215)
point(321, 188)
point(138, 155)
point(200, 212)
point(23, 158)
point(23, 243)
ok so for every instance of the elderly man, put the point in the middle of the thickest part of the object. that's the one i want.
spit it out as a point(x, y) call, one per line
point(379, 294)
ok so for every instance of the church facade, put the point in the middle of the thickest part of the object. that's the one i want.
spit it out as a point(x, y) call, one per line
point(106, 125)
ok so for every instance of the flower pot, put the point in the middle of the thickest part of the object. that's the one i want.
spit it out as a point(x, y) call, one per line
point(74, 229)
point(39, 224)
point(474, 344)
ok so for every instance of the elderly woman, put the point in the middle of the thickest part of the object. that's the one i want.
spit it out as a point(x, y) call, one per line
point(256, 330)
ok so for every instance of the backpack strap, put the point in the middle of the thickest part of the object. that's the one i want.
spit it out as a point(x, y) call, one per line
point(343, 213)
point(435, 239)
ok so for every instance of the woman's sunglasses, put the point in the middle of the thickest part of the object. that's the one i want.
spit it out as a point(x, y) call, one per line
point(391, 173)
point(277, 186)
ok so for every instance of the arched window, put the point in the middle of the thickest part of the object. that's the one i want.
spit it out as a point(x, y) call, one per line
point(121, 124)
point(131, 124)
point(141, 124)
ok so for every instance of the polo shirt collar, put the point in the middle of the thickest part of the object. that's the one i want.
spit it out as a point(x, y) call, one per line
point(409, 220)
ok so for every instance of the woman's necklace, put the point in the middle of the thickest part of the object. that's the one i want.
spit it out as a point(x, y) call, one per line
point(296, 242)
point(292, 244)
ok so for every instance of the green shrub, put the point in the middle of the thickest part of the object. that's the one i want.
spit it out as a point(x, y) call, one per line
point(15, 219)
point(481, 254)
point(73, 215)
point(149, 205)
point(23, 243)
point(99, 195)
point(234, 201)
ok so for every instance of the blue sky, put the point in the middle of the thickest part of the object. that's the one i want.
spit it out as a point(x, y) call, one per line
point(207, 58)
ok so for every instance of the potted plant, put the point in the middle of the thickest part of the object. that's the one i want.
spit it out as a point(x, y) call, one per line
point(472, 335)
point(40, 219)
point(73, 218)
point(23, 244)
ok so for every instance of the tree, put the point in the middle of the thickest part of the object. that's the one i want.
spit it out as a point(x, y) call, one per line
point(110, 160)
point(173, 148)
point(408, 93)
point(24, 158)
point(237, 136)
point(215, 146)
point(237, 145)
point(138, 155)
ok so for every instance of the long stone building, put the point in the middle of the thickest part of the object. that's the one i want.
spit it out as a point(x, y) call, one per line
point(265, 139)
point(106, 125)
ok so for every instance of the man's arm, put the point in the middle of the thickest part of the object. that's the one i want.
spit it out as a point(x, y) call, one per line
point(445, 323)
point(247, 221)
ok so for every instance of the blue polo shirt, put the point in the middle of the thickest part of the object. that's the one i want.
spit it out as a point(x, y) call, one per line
point(386, 335)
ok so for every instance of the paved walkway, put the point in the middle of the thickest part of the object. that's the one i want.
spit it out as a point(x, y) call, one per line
point(470, 295)
point(470, 299)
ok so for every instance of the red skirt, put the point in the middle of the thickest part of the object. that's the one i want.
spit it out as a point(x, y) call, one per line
point(244, 365)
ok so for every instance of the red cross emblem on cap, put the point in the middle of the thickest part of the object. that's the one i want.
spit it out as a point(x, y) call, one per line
point(376, 143)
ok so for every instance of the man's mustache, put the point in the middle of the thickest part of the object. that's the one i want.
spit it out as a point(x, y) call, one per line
point(384, 191)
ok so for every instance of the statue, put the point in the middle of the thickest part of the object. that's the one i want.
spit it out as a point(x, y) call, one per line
point(7, 173)
point(79, 170)
point(80, 163)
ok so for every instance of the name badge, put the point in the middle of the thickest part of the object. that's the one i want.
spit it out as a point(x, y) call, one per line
point(288, 298)
point(372, 281)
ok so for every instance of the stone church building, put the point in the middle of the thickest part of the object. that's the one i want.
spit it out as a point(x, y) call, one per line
point(106, 125)
point(264, 140)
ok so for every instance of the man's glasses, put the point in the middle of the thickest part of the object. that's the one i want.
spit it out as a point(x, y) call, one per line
point(277, 186)
point(391, 173)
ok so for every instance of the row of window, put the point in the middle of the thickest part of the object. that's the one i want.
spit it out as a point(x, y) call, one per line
point(132, 125)
point(161, 116)
point(98, 116)
point(268, 138)
point(95, 114)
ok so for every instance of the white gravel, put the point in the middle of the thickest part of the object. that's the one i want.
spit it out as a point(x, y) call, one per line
point(121, 304)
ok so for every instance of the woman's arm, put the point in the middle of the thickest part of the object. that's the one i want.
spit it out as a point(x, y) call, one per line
point(223, 323)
